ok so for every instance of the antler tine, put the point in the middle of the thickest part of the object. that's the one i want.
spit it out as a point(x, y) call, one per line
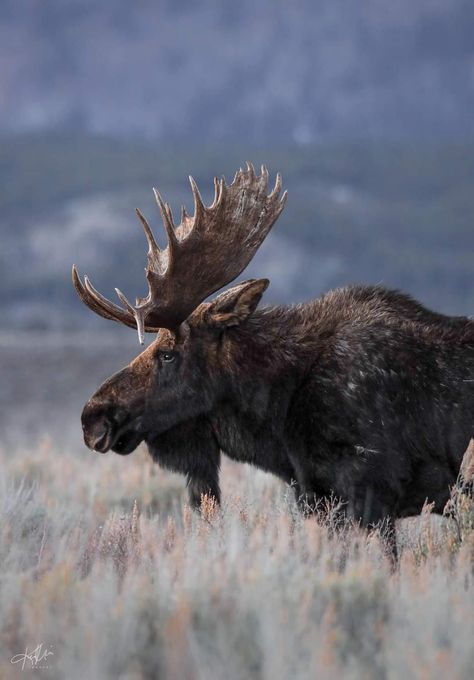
point(264, 177)
point(216, 193)
point(167, 222)
point(97, 302)
point(153, 247)
point(222, 192)
point(99, 298)
point(86, 296)
point(125, 302)
point(199, 209)
point(276, 188)
point(250, 170)
point(170, 214)
point(138, 313)
point(107, 309)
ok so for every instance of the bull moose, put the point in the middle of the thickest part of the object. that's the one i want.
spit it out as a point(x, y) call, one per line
point(363, 393)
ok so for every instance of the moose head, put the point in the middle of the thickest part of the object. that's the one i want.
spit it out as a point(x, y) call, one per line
point(185, 371)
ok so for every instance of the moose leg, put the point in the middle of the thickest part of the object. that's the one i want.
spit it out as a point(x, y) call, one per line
point(390, 536)
point(305, 496)
point(375, 509)
point(203, 466)
point(308, 493)
point(309, 501)
point(203, 480)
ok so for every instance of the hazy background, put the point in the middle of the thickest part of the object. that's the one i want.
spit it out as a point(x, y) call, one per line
point(366, 107)
point(367, 110)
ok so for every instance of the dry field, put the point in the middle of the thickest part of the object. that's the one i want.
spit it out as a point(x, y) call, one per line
point(106, 573)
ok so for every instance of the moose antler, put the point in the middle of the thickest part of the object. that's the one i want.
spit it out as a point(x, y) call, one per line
point(204, 252)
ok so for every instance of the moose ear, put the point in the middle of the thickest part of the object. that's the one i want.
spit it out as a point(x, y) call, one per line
point(236, 304)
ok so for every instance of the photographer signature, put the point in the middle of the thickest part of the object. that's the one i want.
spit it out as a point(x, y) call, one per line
point(34, 656)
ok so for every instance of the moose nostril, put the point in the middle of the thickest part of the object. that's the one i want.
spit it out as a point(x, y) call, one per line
point(97, 435)
point(98, 440)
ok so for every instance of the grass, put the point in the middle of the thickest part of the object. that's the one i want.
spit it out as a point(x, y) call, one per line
point(103, 563)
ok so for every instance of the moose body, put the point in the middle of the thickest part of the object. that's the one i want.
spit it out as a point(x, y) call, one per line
point(368, 397)
point(362, 394)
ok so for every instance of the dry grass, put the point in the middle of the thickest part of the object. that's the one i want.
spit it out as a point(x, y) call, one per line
point(103, 563)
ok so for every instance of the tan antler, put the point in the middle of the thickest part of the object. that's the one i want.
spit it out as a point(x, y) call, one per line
point(204, 252)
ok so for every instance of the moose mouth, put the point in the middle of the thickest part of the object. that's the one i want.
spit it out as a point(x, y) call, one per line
point(122, 440)
point(127, 442)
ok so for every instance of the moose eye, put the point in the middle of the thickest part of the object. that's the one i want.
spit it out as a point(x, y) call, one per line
point(168, 357)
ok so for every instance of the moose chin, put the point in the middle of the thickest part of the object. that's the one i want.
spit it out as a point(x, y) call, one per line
point(362, 394)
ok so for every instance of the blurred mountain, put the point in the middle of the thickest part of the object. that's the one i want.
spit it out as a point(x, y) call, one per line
point(267, 71)
point(393, 213)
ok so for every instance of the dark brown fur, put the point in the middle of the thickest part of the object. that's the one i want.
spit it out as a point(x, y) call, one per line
point(363, 394)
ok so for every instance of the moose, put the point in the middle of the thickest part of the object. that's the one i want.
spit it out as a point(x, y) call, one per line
point(362, 394)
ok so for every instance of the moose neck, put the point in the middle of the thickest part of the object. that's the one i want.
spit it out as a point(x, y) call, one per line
point(256, 357)
point(263, 363)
